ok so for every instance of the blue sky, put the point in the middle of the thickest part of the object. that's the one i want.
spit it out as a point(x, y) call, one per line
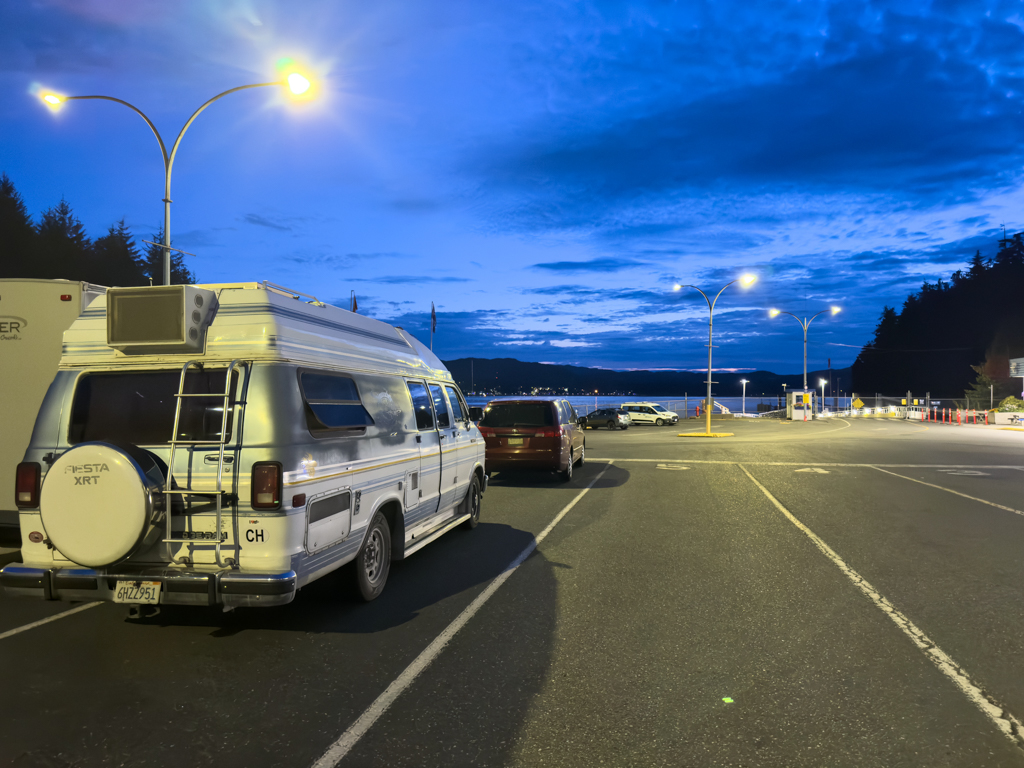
point(544, 171)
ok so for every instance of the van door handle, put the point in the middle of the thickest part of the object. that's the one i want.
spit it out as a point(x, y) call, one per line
point(211, 458)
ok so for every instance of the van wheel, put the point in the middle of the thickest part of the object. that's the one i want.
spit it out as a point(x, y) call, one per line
point(567, 472)
point(374, 560)
point(659, 422)
point(583, 453)
point(471, 505)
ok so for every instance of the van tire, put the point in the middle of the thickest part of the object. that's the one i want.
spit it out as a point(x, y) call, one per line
point(471, 505)
point(659, 422)
point(567, 472)
point(583, 453)
point(373, 563)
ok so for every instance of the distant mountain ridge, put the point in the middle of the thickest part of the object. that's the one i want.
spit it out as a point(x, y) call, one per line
point(507, 375)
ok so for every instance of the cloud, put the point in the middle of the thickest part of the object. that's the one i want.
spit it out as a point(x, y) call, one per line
point(410, 279)
point(593, 265)
point(262, 221)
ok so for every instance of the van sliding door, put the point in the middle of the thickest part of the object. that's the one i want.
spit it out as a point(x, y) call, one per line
point(422, 502)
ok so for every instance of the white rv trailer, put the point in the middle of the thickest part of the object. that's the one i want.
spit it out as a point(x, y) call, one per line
point(33, 317)
point(228, 444)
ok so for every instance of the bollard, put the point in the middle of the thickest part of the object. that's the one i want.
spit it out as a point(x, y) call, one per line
point(986, 418)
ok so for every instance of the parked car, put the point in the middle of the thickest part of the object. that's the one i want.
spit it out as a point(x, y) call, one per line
point(532, 433)
point(613, 418)
point(650, 413)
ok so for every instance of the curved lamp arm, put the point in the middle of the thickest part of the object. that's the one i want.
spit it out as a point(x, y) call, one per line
point(139, 112)
point(169, 159)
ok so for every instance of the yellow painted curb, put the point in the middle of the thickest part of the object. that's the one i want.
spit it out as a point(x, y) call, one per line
point(705, 434)
point(1013, 429)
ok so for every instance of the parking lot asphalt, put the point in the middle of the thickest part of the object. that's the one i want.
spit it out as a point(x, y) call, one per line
point(754, 600)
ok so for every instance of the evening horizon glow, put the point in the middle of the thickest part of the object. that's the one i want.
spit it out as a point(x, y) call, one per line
point(545, 174)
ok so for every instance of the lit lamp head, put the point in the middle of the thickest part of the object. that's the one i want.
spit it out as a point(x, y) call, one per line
point(773, 312)
point(836, 310)
point(677, 287)
point(822, 382)
point(748, 280)
point(52, 100)
point(298, 85)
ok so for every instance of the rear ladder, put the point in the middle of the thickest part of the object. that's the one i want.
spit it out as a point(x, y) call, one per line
point(219, 493)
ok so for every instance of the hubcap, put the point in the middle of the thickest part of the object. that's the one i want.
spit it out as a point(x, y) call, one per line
point(373, 557)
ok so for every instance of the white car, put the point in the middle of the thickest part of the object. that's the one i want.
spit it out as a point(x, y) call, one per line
point(649, 413)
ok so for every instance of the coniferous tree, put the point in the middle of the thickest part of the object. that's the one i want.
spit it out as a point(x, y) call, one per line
point(63, 247)
point(17, 233)
point(116, 260)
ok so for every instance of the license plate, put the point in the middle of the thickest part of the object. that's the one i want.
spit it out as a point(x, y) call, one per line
point(137, 592)
point(515, 441)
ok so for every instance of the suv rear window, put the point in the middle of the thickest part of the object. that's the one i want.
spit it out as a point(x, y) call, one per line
point(138, 407)
point(518, 415)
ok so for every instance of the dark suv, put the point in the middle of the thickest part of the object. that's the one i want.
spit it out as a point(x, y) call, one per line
point(613, 418)
point(532, 433)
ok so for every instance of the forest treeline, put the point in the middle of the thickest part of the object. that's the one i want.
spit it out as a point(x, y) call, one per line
point(58, 247)
point(953, 338)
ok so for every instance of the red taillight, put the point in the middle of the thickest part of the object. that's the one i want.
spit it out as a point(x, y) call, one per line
point(26, 485)
point(266, 485)
point(549, 433)
point(65, 297)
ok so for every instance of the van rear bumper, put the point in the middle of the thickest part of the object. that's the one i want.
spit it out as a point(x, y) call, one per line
point(229, 589)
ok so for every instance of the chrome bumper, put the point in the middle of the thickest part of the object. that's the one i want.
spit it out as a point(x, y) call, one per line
point(230, 589)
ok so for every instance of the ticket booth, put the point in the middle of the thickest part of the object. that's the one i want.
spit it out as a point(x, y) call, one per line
point(800, 405)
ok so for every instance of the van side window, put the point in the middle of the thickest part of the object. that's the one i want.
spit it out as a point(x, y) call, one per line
point(443, 422)
point(421, 404)
point(332, 402)
point(457, 411)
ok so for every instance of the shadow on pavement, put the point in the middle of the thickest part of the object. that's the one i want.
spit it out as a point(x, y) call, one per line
point(522, 478)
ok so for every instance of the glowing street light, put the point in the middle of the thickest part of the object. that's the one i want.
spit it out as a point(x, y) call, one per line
point(746, 280)
point(295, 82)
point(804, 324)
point(822, 382)
point(744, 408)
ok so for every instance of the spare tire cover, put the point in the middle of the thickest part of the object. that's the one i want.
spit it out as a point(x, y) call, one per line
point(97, 503)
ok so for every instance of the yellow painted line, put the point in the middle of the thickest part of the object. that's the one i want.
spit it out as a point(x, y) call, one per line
point(950, 490)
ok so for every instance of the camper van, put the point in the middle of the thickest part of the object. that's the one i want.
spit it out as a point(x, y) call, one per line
point(228, 444)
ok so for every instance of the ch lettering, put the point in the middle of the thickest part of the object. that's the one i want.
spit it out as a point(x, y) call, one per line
point(253, 535)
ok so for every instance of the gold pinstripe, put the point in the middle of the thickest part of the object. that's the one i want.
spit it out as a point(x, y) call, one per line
point(370, 468)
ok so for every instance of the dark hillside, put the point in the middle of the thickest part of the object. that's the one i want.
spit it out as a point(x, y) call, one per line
point(948, 333)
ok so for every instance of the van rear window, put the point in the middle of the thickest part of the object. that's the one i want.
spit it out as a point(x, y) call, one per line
point(332, 402)
point(138, 407)
point(518, 415)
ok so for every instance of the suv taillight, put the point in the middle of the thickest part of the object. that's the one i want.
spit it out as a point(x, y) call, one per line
point(266, 485)
point(26, 485)
point(549, 433)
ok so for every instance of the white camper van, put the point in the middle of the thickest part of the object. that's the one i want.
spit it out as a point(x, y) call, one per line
point(33, 317)
point(228, 444)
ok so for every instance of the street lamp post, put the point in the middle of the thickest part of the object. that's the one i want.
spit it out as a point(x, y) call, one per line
point(821, 406)
point(296, 83)
point(746, 280)
point(804, 324)
point(743, 409)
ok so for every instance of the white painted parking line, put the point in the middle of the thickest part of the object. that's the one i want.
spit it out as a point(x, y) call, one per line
point(337, 751)
point(815, 470)
point(993, 710)
point(672, 466)
point(34, 624)
point(814, 464)
point(950, 490)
